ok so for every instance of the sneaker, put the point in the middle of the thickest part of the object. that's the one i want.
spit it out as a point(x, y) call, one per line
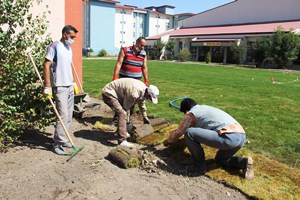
point(117, 134)
point(248, 170)
point(127, 144)
point(60, 150)
point(67, 144)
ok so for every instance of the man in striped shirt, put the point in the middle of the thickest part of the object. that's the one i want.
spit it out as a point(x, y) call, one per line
point(132, 63)
point(213, 127)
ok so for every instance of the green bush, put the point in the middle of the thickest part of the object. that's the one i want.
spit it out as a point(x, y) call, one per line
point(284, 47)
point(184, 55)
point(207, 58)
point(238, 53)
point(157, 49)
point(260, 50)
point(170, 48)
point(102, 53)
point(22, 105)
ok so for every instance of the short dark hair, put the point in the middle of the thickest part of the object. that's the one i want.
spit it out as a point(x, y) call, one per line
point(69, 28)
point(139, 39)
point(187, 104)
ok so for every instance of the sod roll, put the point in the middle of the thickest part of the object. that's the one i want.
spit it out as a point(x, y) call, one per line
point(125, 157)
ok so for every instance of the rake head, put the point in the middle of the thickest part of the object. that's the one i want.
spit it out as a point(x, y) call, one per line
point(76, 151)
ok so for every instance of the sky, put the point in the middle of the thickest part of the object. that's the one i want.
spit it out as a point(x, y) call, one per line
point(181, 6)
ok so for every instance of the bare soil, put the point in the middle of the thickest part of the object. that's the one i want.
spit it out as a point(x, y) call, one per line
point(30, 170)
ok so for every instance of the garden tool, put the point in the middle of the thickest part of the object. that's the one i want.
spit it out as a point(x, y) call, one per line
point(86, 98)
point(76, 150)
point(171, 104)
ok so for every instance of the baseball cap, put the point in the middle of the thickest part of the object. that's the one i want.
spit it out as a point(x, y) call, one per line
point(154, 92)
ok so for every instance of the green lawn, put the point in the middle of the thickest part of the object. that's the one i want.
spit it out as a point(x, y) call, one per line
point(268, 112)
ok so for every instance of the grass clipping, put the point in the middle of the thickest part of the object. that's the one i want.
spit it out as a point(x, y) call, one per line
point(103, 127)
point(273, 180)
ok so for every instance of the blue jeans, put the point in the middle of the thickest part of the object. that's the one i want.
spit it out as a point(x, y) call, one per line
point(228, 144)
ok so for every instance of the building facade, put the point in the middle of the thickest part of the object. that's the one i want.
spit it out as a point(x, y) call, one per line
point(63, 12)
point(240, 22)
point(109, 26)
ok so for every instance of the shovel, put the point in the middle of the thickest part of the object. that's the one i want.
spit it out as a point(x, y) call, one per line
point(76, 150)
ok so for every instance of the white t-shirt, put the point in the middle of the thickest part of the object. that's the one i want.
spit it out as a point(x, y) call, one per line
point(61, 57)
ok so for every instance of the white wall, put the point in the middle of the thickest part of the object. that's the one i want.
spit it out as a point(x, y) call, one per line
point(56, 18)
point(246, 11)
point(123, 22)
point(158, 23)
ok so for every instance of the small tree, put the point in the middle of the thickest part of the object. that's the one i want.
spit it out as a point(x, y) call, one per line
point(284, 47)
point(207, 58)
point(260, 50)
point(170, 48)
point(238, 53)
point(157, 48)
point(184, 55)
point(22, 105)
point(102, 53)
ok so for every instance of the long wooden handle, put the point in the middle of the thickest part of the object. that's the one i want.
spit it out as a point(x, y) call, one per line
point(52, 104)
point(81, 88)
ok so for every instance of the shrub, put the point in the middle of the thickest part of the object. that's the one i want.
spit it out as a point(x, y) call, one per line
point(22, 105)
point(170, 48)
point(102, 53)
point(157, 49)
point(207, 58)
point(260, 50)
point(184, 55)
point(284, 47)
point(238, 53)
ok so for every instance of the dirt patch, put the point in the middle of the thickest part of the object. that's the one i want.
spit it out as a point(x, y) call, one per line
point(30, 169)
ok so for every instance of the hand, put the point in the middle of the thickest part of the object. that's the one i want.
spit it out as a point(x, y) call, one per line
point(47, 92)
point(166, 143)
point(146, 82)
point(146, 120)
point(115, 76)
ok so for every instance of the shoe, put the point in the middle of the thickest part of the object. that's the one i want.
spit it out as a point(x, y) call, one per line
point(127, 144)
point(67, 144)
point(248, 169)
point(117, 134)
point(60, 150)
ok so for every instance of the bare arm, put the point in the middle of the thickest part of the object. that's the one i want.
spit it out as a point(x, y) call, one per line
point(145, 71)
point(47, 66)
point(187, 121)
point(118, 64)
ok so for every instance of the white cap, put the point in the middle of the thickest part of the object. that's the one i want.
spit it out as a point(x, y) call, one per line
point(154, 92)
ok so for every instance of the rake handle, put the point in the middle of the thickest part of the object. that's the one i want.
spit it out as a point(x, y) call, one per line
point(52, 104)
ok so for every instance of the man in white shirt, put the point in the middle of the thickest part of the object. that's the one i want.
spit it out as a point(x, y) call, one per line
point(58, 76)
point(121, 94)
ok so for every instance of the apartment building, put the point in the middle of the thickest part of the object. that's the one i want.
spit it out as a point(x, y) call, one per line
point(109, 25)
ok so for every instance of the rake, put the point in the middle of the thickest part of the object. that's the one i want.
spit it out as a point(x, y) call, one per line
point(76, 150)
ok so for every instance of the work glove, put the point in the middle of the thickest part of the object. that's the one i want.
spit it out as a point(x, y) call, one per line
point(146, 82)
point(146, 120)
point(76, 90)
point(166, 143)
point(47, 92)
